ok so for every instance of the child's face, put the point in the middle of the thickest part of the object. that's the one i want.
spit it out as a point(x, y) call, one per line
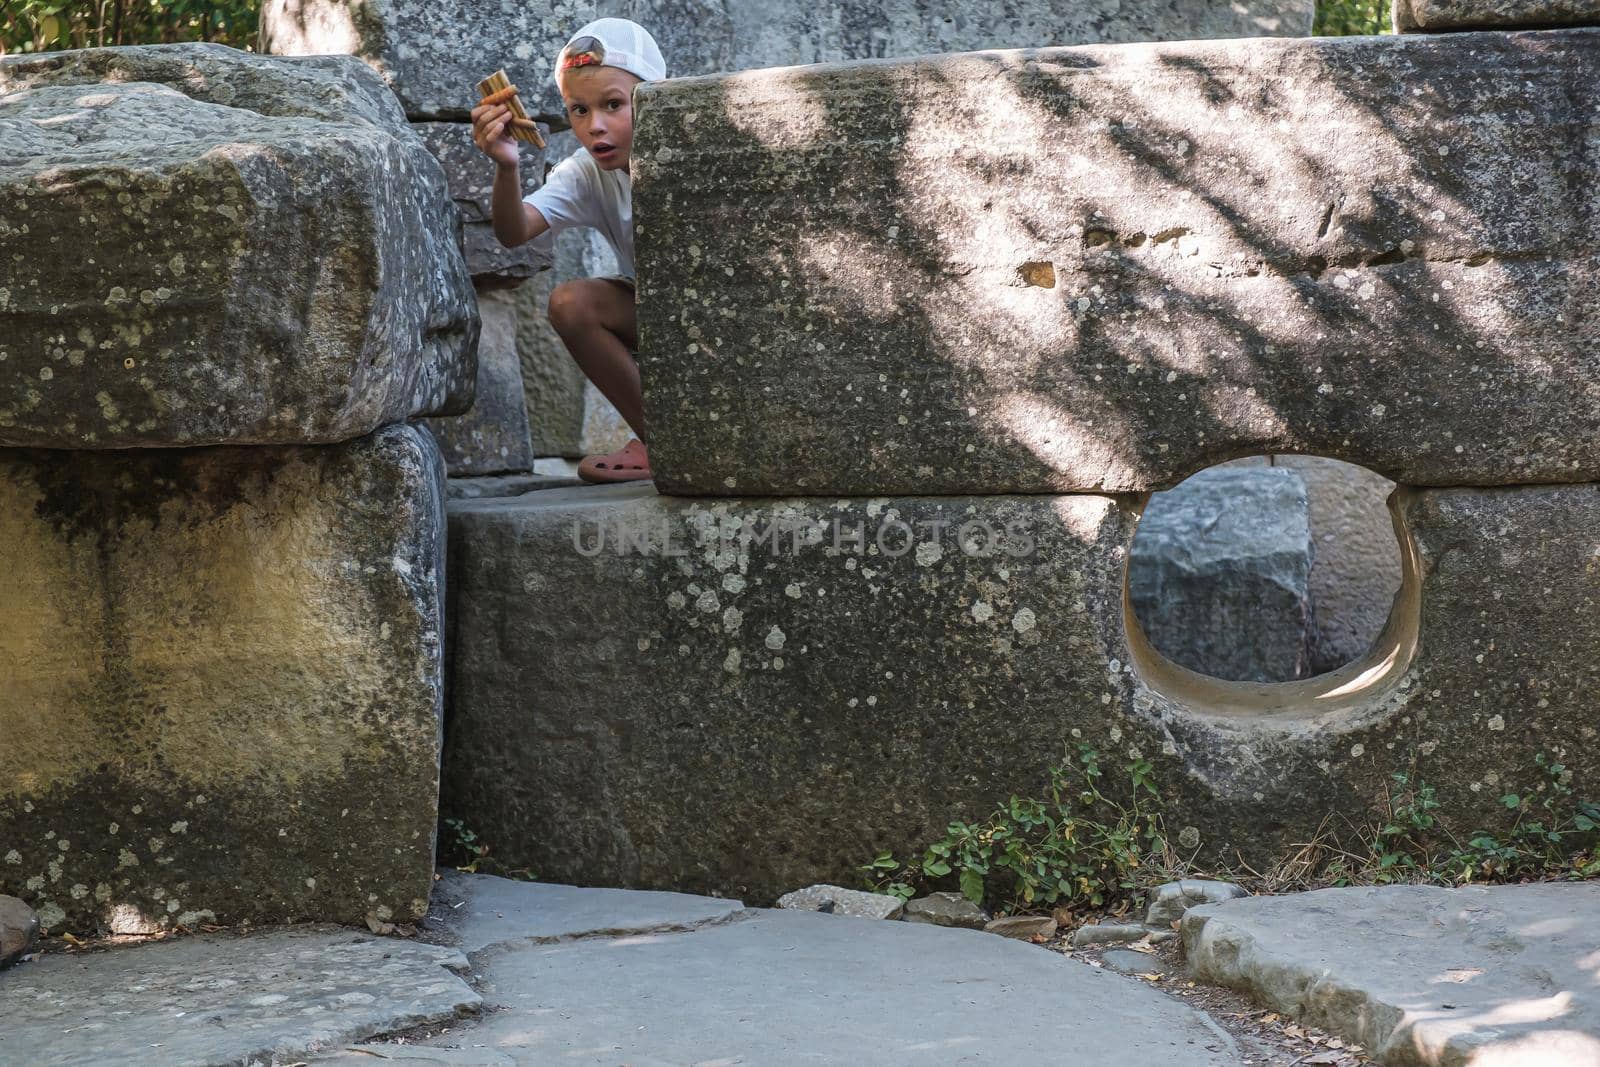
point(600, 107)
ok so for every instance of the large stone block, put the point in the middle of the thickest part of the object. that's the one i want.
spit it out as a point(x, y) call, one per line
point(1220, 574)
point(210, 247)
point(492, 438)
point(1433, 16)
point(470, 177)
point(1105, 268)
point(220, 681)
point(432, 55)
point(714, 715)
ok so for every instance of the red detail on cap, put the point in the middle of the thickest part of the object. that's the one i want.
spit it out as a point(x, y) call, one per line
point(583, 59)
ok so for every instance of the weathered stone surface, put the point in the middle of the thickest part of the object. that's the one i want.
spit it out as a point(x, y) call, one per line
point(1220, 574)
point(1110, 934)
point(1129, 961)
point(1432, 16)
point(19, 929)
point(432, 55)
point(1023, 927)
point(223, 682)
point(789, 987)
point(1355, 568)
point(470, 177)
point(271, 997)
point(1482, 975)
point(508, 485)
point(804, 734)
point(1178, 254)
point(783, 33)
point(839, 901)
point(491, 438)
point(280, 265)
point(1169, 902)
point(946, 909)
point(481, 911)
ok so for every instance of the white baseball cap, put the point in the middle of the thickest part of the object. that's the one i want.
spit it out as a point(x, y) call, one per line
point(623, 44)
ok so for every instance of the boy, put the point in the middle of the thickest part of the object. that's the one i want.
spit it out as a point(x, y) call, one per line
point(596, 73)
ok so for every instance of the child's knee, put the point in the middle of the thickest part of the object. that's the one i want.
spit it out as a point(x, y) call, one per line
point(571, 306)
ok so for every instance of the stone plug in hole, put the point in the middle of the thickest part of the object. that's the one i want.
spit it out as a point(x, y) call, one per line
point(1268, 569)
point(1040, 274)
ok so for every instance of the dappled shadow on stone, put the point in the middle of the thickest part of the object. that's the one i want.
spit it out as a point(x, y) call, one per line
point(1266, 246)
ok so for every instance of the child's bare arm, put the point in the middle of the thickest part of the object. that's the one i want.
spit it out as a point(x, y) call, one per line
point(514, 221)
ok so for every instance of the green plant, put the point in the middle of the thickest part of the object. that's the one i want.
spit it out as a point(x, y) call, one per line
point(1075, 847)
point(468, 853)
point(1553, 832)
point(47, 25)
point(1403, 847)
point(1342, 18)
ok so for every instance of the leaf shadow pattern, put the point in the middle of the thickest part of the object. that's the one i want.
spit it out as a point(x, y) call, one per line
point(1332, 247)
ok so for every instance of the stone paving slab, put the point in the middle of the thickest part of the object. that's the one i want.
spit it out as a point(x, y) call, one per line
point(782, 987)
point(483, 910)
point(1421, 975)
point(225, 1000)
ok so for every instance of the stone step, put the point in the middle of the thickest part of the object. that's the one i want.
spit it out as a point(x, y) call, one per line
point(1483, 974)
point(754, 695)
point(1101, 269)
point(223, 682)
point(281, 265)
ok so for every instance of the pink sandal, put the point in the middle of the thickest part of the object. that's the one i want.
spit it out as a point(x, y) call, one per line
point(628, 464)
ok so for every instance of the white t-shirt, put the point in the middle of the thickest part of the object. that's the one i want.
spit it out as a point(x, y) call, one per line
point(579, 193)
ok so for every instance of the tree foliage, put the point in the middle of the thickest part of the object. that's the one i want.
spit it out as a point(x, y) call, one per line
point(49, 25)
point(1344, 18)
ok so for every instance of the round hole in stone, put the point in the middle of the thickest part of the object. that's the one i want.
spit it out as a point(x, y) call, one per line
point(1271, 569)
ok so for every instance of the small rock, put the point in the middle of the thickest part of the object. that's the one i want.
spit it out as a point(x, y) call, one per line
point(837, 901)
point(1109, 934)
point(19, 929)
point(1169, 902)
point(1023, 927)
point(947, 909)
point(1129, 962)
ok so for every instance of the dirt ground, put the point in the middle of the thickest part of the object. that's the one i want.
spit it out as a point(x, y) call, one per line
point(1266, 1038)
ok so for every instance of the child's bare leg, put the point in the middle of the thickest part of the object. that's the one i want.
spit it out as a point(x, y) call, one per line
point(596, 320)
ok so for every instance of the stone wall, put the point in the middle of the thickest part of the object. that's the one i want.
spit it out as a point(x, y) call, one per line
point(911, 379)
point(720, 713)
point(222, 649)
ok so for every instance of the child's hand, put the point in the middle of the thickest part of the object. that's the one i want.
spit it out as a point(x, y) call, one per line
point(490, 132)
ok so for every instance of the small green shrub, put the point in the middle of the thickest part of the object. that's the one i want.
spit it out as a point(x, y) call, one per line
point(1550, 833)
point(1076, 847)
point(467, 852)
